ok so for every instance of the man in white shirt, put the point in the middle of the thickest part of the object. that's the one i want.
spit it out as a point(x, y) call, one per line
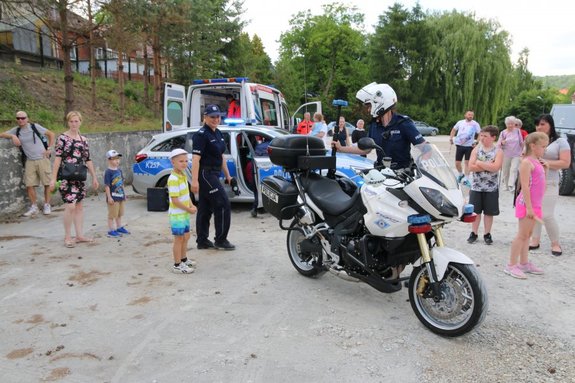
point(466, 132)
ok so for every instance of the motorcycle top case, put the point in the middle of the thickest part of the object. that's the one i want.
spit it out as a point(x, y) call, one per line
point(285, 150)
point(277, 194)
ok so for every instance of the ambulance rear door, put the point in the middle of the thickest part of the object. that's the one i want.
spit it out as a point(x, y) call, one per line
point(310, 107)
point(175, 108)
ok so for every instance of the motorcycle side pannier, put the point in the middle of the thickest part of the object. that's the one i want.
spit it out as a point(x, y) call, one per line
point(285, 150)
point(277, 194)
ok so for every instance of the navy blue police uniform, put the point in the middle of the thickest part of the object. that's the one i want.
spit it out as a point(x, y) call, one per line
point(210, 146)
point(396, 139)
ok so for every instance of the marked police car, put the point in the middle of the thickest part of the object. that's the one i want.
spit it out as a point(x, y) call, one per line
point(246, 157)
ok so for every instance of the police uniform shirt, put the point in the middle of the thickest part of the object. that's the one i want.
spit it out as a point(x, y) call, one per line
point(396, 139)
point(210, 146)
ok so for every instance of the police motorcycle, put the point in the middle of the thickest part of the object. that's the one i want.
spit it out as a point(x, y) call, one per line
point(373, 233)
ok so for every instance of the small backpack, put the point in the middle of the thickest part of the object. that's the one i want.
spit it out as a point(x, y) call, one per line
point(37, 133)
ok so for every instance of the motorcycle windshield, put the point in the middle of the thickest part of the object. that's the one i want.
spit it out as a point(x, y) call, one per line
point(431, 162)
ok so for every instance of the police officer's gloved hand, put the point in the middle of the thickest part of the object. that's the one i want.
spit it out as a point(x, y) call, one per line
point(234, 186)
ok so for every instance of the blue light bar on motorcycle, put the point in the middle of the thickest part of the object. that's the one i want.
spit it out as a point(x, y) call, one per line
point(339, 103)
point(220, 80)
point(468, 208)
point(418, 219)
point(233, 121)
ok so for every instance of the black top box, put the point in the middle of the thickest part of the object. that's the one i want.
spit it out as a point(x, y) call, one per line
point(285, 150)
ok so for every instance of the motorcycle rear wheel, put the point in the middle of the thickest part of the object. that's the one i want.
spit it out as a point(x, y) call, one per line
point(463, 303)
point(305, 263)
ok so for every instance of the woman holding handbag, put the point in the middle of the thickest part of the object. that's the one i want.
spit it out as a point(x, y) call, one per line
point(71, 164)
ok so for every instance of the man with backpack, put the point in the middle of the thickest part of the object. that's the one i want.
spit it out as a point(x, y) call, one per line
point(35, 143)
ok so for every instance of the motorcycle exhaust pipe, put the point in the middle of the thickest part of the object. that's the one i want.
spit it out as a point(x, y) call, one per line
point(343, 275)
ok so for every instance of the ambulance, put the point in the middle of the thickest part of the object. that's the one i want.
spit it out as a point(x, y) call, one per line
point(259, 105)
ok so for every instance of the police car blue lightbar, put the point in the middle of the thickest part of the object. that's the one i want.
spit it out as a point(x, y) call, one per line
point(339, 103)
point(233, 121)
point(220, 80)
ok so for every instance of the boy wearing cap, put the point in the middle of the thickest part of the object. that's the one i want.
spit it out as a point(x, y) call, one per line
point(180, 209)
point(115, 196)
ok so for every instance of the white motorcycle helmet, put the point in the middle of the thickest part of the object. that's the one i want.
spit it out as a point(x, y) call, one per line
point(382, 97)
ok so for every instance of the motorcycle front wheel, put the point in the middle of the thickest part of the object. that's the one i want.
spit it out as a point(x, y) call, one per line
point(306, 263)
point(462, 304)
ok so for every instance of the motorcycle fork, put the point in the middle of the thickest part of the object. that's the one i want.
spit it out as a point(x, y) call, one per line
point(429, 265)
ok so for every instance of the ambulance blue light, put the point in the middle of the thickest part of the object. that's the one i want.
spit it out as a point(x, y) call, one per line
point(220, 80)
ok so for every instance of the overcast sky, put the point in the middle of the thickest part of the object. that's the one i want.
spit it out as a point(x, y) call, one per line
point(546, 28)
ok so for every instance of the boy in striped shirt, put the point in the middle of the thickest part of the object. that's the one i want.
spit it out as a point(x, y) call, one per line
point(179, 213)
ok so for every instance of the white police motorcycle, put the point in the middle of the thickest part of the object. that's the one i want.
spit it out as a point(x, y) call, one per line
point(374, 232)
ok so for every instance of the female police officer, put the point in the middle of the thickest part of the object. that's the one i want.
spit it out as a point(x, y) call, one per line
point(207, 163)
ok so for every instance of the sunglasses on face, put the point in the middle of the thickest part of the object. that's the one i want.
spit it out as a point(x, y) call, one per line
point(21, 118)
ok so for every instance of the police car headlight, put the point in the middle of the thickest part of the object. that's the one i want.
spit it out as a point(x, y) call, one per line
point(439, 201)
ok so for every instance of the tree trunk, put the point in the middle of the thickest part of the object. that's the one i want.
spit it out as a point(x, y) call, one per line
point(146, 77)
point(66, 48)
point(92, 59)
point(121, 94)
point(157, 74)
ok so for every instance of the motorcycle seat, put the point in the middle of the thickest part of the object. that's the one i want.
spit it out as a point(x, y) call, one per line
point(328, 195)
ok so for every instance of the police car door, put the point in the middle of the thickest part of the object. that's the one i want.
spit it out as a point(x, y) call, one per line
point(262, 166)
point(311, 107)
point(175, 108)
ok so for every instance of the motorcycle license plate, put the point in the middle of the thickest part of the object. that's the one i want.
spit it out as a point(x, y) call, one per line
point(270, 193)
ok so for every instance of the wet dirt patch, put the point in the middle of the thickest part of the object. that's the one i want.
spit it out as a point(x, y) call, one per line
point(140, 301)
point(57, 374)
point(20, 353)
point(87, 278)
point(158, 241)
point(13, 237)
point(69, 355)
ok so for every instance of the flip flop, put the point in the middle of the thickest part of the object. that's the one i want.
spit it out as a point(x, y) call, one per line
point(84, 239)
point(70, 244)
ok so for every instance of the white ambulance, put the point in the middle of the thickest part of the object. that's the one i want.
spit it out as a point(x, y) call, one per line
point(259, 105)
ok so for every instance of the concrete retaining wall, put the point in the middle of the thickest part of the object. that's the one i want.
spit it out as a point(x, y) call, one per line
point(13, 197)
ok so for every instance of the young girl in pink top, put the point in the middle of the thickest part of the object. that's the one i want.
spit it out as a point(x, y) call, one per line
point(528, 205)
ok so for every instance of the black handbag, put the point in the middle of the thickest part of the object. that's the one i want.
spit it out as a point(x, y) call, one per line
point(73, 172)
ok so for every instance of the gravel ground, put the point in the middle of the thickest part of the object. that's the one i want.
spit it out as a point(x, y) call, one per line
point(112, 311)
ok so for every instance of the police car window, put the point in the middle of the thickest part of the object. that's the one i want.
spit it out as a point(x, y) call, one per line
point(178, 142)
point(227, 141)
point(175, 115)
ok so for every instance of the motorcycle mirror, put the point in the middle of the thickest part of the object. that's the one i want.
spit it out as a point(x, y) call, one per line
point(366, 143)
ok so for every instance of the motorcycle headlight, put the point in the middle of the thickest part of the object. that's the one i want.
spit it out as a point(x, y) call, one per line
point(439, 201)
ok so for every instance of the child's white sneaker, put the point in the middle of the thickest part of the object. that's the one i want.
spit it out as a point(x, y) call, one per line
point(182, 268)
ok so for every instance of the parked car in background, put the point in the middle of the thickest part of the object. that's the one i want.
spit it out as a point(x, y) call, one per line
point(426, 129)
point(564, 118)
point(245, 145)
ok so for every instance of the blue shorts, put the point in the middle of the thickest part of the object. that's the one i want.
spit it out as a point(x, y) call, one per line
point(180, 223)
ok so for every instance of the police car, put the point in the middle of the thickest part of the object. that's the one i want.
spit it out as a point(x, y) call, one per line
point(246, 157)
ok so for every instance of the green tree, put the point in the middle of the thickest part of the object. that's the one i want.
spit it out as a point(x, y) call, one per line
point(470, 66)
point(324, 56)
point(116, 16)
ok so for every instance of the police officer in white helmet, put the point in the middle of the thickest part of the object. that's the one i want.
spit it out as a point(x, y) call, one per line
point(392, 131)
